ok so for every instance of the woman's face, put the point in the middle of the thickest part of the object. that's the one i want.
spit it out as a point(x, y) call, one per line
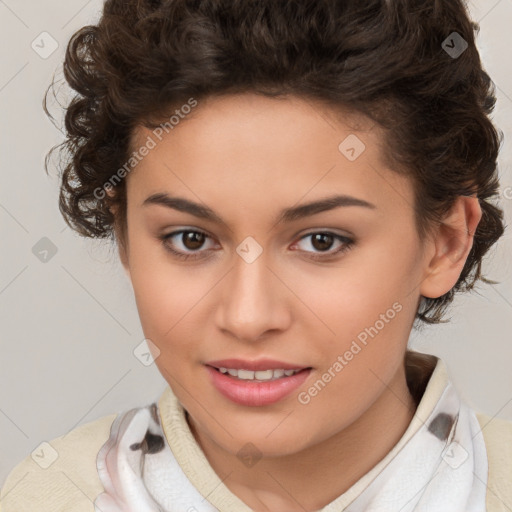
point(329, 288)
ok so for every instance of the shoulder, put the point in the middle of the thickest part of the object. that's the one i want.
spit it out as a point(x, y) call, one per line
point(60, 475)
point(498, 442)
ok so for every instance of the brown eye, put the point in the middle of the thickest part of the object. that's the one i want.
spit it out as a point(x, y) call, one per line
point(186, 240)
point(321, 242)
point(193, 239)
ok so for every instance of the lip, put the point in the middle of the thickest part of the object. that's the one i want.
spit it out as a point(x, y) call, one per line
point(260, 364)
point(254, 394)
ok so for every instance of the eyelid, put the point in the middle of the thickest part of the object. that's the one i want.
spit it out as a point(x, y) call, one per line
point(333, 231)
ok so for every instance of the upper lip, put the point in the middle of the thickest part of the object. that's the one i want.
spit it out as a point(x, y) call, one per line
point(260, 364)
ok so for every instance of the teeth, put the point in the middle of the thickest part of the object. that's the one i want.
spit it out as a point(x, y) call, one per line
point(257, 375)
point(262, 374)
point(245, 374)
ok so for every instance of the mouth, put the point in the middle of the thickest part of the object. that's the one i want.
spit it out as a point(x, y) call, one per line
point(260, 382)
point(256, 383)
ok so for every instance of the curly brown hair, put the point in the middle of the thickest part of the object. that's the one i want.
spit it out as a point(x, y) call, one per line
point(385, 59)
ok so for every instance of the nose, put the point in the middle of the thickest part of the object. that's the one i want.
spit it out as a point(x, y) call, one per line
point(254, 302)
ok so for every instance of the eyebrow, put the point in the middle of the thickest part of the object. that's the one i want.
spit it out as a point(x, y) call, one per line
point(287, 215)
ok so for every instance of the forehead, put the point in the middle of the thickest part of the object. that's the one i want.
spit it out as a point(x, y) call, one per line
point(251, 149)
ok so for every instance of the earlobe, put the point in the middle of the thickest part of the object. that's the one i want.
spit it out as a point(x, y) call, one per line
point(452, 241)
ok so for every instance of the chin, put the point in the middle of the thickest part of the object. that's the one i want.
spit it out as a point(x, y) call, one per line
point(258, 442)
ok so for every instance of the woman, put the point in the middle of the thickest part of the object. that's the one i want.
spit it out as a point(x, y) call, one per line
point(291, 185)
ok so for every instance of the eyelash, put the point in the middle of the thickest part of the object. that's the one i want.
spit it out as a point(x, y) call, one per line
point(347, 245)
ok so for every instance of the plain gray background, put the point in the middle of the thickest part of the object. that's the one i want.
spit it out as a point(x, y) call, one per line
point(70, 324)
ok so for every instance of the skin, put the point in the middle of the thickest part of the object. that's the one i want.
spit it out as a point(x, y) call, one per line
point(247, 157)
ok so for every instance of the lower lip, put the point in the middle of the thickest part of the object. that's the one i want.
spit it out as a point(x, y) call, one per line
point(252, 393)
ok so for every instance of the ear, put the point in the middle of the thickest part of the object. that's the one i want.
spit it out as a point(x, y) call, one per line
point(451, 244)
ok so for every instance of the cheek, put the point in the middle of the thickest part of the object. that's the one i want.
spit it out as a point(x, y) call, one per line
point(165, 295)
point(349, 297)
point(165, 307)
point(364, 315)
point(356, 363)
